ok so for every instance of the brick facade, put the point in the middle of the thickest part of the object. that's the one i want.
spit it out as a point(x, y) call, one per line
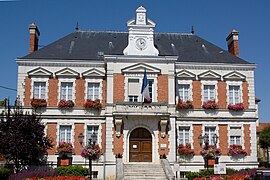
point(223, 139)
point(222, 94)
point(53, 92)
point(245, 94)
point(247, 138)
point(118, 88)
point(165, 140)
point(162, 92)
point(197, 94)
point(27, 91)
point(118, 143)
point(51, 133)
point(197, 130)
point(79, 128)
point(80, 92)
point(103, 137)
point(104, 92)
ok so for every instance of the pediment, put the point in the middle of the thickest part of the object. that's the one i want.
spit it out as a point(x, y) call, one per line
point(67, 72)
point(39, 72)
point(209, 75)
point(93, 73)
point(139, 68)
point(234, 76)
point(184, 74)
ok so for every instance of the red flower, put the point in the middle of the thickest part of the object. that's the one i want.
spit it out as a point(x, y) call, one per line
point(38, 103)
point(92, 104)
point(210, 104)
point(65, 147)
point(65, 104)
point(236, 107)
point(184, 104)
point(236, 149)
point(185, 150)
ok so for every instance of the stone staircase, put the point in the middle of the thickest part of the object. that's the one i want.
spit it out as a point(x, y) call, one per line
point(140, 171)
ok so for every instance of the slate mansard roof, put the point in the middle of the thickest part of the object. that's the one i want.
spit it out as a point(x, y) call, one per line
point(86, 45)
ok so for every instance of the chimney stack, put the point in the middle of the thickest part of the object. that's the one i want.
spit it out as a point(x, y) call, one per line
point(34, 35)
point(232, 42)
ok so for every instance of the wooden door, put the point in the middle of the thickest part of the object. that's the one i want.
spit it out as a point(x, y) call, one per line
point(140, 146)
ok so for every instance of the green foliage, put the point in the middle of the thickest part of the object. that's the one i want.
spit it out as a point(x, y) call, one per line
point(264, 139)
point(22, 138)
point(72, 170)
point(4, 173)
point(201, 173)
point(3, 102)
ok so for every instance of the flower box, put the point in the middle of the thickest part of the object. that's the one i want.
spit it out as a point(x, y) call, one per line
point(236, 149)
point(210, 104)
point(211, 162)
point(38, 103)
point(66, 104)
point(185, 150)
point(90, 104)
point(236, 107)
point(64, 148)
point(184, 104)
point(210, 152)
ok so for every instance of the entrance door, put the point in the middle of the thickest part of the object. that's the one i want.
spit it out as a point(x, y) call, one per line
point(140, 145)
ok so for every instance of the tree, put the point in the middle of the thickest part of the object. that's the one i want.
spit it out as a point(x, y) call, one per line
point(22, 138)
point(264, 138)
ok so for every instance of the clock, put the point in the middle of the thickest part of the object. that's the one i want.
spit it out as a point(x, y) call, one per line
point(141, 43)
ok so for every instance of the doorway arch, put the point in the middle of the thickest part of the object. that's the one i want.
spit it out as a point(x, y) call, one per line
point(140, 145)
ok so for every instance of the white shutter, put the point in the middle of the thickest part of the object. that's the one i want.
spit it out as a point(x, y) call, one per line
point(235, 131)
point(133, 87)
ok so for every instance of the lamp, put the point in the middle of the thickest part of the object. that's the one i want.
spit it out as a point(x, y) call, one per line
point(215, 139)
point(80, 137)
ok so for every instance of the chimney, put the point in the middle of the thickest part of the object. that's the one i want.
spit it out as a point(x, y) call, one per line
point(232, 42)
point(34, 35)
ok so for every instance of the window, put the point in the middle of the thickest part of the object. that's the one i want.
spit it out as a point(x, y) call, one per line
point(91, 130)
point(184, 92)
point(65, 133)
point(234, 94)
point(150, 85)
point(210, 131)
point(235, 135)
point(209, 92)
point(66, 91)
point(183, 137)
point(39, 90)
point(133, 90)
point(93, 91)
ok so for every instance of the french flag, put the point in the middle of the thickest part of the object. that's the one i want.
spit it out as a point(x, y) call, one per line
point(145, 89)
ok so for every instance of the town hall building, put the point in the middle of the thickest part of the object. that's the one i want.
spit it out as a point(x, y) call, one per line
point(200, 94)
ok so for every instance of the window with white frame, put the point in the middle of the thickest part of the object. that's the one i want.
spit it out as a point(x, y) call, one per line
point(210, 131)
point(234, 94)
point(93, 91)
point(39, 91)
point(209, 92)
point(150, 85)
point(66, 91)
point(65, 134)
point(91, 129)
point(183, 135)
point(235, 135)
point(184, 92)
point(133, 90)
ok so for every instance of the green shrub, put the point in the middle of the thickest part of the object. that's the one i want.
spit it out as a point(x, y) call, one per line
point(4, 173)
point(72, 170)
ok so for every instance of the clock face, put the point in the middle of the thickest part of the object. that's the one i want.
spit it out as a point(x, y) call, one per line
point(141, 43)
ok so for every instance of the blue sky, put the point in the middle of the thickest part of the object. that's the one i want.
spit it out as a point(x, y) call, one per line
point(213, 20)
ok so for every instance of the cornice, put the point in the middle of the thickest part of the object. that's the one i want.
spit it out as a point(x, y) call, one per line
point(215, 66)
